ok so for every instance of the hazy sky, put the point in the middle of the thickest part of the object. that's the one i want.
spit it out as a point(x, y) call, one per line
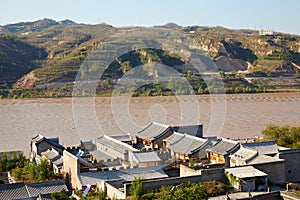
point(254, 14)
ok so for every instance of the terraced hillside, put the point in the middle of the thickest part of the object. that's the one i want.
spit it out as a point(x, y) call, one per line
point(47, 52)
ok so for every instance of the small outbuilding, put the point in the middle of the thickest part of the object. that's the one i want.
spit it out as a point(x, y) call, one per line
point(247, 178)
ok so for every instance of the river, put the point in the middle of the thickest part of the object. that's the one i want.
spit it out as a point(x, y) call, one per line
point(238, 116)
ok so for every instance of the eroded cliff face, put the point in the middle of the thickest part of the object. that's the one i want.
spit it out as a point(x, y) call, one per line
point(276, 55)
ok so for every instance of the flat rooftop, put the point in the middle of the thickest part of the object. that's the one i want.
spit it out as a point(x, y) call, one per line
point(125, 175)
point(245, 172)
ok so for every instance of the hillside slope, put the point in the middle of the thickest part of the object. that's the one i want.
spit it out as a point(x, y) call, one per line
point(18, 58)
point(46, 51)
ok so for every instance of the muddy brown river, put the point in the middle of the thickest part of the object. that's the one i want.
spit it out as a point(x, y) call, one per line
point(236, 116)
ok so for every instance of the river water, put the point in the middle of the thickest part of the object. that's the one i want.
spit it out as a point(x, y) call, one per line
point(235, 116)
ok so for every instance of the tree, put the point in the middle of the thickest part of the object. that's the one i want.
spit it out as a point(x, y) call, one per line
point(44, 171)
point(136, 188)
point(31, 170)
point(126, 66)
point(17, 174)
point(101, 194)
point(222, 74)
point(9, 162)
point(189, 191)
point(192, 162)
point(62, 195)
point(284, 136)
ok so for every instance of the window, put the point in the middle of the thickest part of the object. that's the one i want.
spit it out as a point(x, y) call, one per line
point(289, 171)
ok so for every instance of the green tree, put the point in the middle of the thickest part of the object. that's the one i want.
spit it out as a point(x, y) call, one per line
point(31, 170)
point(222, 74)
point(284, 136)
point(44, 171)
point(62, 195)
point(192, 162)
point(17, 174)
point(189, 191)
point(137, 189)
point(102, 194)
point(126, 66)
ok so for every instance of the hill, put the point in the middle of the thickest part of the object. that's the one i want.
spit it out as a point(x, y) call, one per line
point(18, 58)
point(47, 52)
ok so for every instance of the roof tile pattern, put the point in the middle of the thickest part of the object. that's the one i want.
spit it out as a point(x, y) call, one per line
point(224, 146)
point(153, 131)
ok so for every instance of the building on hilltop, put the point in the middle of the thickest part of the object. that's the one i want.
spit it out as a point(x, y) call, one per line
point(265, 32)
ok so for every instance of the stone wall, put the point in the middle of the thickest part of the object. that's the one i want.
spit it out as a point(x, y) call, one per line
point(275, 170)
point(186, 171)
point(113, 191)
point(206, 175)
point(292, 159)
point(110, 151)
point(71, 167)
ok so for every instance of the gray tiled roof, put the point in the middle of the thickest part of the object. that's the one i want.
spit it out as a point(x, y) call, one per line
point(122, 138)
point(58, 162)
point(115, 144)
point(224, 146)
point(99, 155)
point(260, 159)
point(34, 189)
point(51, 154)
point(188, 144)
point(147, 156)
point(52, 141)
point(193, 130)
point(174, 137)
point(85, 162)
point(268, 147)
point(153, 131)
point(13, 191)
point(244, 154)
point(28, 191)
point(93, 178)
point(37, 138)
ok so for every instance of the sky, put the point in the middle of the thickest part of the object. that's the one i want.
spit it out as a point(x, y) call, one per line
point(236, 14)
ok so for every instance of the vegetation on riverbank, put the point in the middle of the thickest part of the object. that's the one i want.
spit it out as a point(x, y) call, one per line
point(285, 136)
point(193, 84)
